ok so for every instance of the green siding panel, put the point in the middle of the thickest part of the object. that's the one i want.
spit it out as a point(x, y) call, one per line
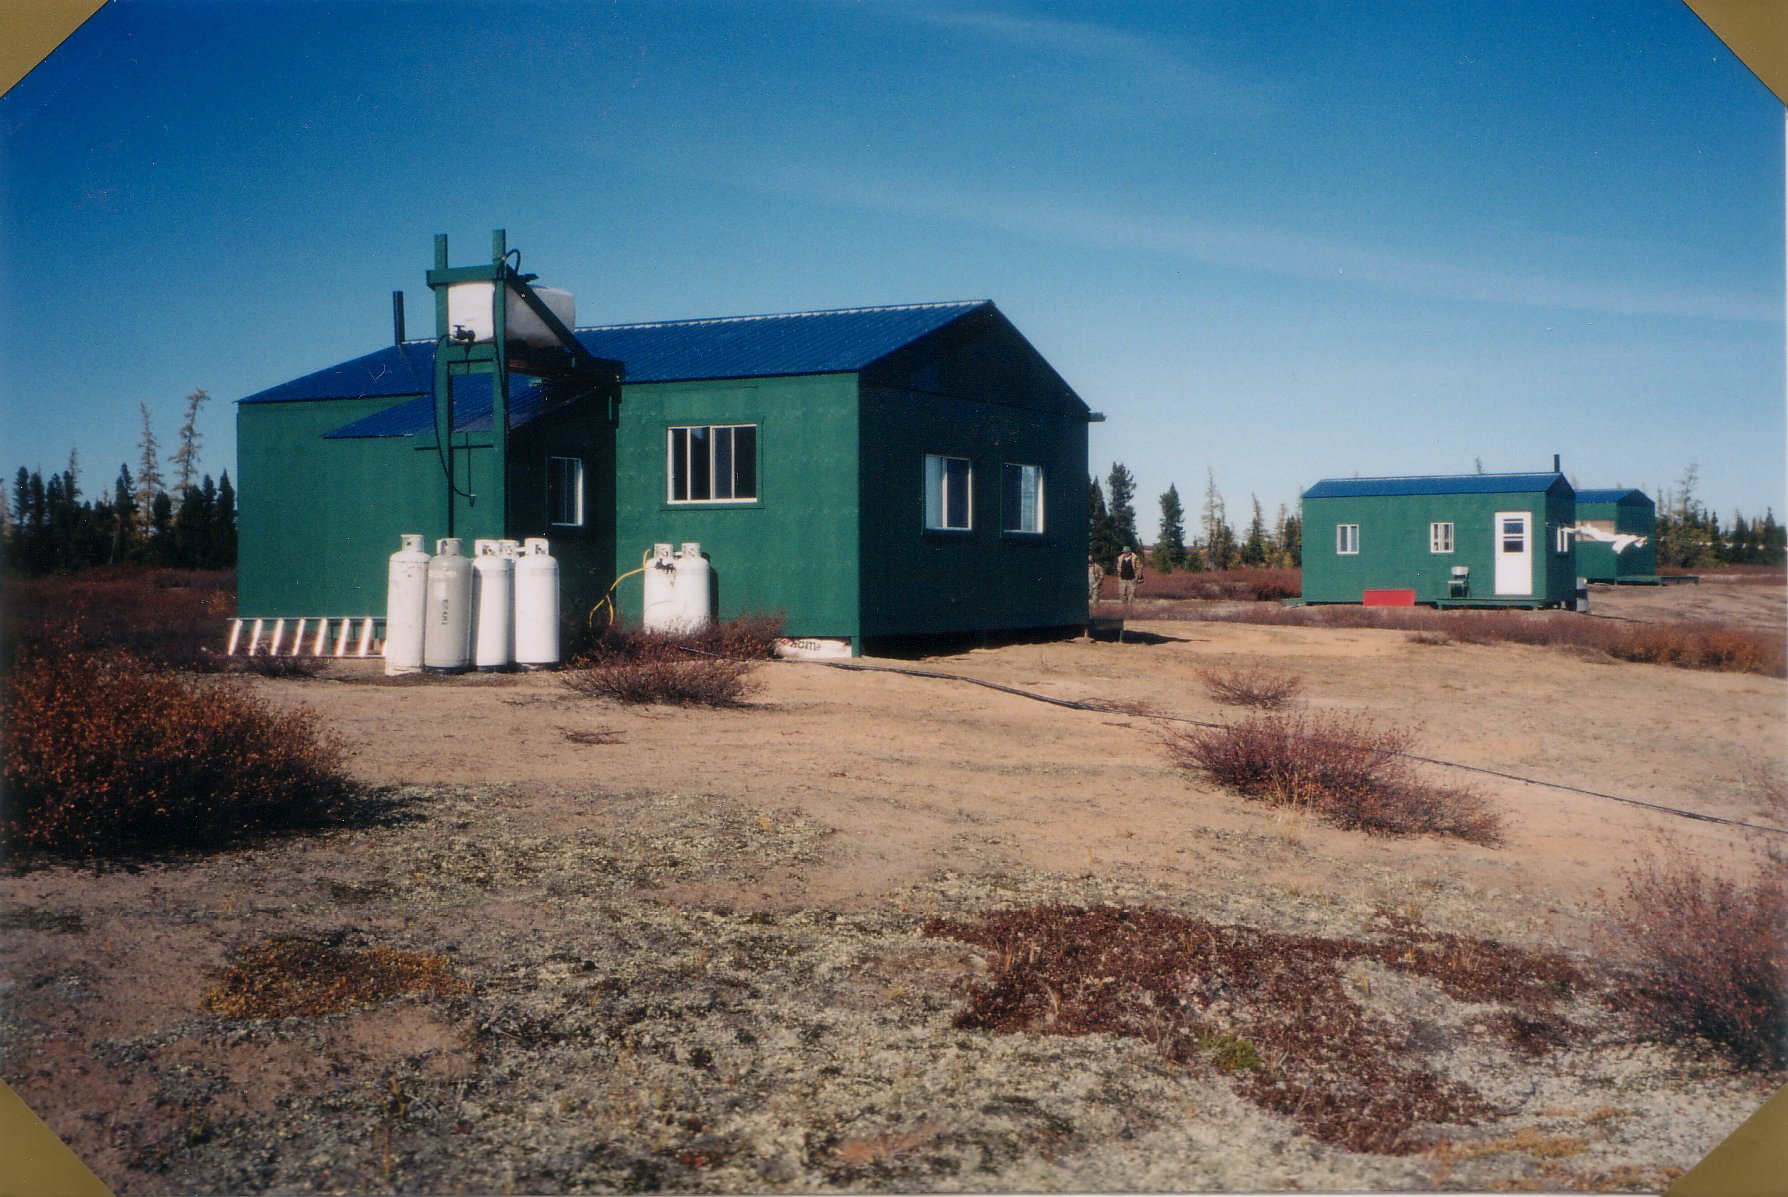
point(1599, 562)
point(793, 551)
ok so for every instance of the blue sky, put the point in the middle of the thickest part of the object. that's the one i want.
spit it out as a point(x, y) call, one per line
point(1272, 241)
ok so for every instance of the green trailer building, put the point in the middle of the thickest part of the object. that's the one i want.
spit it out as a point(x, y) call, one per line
point(866, 473)
point(1616, 535)
point(1482, 540)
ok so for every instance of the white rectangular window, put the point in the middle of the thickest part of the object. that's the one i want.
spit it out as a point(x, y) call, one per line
point(1564, 540)
point(948, 489)
point(1347, 538)
point(1440, 537)
point(712, 463)
point(565, 492)
point(1021, 498)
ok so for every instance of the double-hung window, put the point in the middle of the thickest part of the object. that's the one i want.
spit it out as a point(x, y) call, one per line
point(1564, 540)
point(565, 492)
point(712, 463)
point(1440, 537)
point(1021, 498)
point(1347, 539)
point(948, 488)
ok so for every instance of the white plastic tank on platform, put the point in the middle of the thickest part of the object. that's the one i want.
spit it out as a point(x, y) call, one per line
point(447, 626)
point(493, 606)
point(406, 598)
point(694, 587)
point(536, 607)
point(469, 307)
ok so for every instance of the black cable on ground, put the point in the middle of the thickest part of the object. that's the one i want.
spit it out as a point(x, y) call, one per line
point(1426, 760)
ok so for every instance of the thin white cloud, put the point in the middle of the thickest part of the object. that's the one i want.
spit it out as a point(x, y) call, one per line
point(1273, 251)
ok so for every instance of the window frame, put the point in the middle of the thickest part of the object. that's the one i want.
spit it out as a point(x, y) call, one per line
point(715, 458)
point(555, 487)
point(1035, 506)
point(937, 517)
point(1562, 546)
point(1442, 536)
point(1345, 545)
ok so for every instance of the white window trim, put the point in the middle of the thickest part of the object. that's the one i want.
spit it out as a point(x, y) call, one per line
point(1036, 511)
point(1441, 536)
point(670, 471)
point(943, 494)
point(1563, 545)
point(577, 492)
point(1342, 538)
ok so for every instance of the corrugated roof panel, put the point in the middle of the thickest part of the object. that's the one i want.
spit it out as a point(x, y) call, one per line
point(1616, 495)
point(671, 351)
point(471, 410)
point(1435, 484)
point(406, 369)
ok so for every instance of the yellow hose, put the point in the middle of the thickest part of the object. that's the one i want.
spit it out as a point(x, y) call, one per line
point(608, 600)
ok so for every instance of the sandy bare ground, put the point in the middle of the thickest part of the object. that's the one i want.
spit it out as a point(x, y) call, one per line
point(691, 936)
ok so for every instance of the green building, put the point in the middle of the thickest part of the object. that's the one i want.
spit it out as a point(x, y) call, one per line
point(866, 473)
point(1490, 540)
point(1617, 533)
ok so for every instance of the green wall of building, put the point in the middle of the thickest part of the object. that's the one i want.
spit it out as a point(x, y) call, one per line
point(793, 550)
point(1394, 546)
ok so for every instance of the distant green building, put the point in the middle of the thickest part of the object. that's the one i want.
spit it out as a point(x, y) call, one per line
point(1491, 540)
point(867, 473)
point(1617, 534)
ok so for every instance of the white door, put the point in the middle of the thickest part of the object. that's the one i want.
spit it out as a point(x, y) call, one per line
point(1514, 552)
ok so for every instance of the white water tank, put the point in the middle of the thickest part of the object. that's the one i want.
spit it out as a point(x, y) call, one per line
point(659, 613)
point(469, 307)
point(406, 597)
point(694, 577)
point(536, 607)
point(493, 606)
point(447, 623)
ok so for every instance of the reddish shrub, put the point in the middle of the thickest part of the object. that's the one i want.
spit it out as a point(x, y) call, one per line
point(1349, 772)
point(1251, 686)
point(1712, 959)
point(165, 616)
point(1240, 585)
point(299, 977)
point(708, 668)
point(106, 752)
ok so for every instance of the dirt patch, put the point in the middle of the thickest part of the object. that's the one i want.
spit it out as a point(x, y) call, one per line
point(691, 948)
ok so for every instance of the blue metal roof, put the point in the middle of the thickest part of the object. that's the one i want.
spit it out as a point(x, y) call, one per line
point(671, 351)
point(1436, 484)
point(1617, 495)
point(471, 409)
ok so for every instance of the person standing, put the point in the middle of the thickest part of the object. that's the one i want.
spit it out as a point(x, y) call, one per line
point(1095, 575)
point(1129, 573)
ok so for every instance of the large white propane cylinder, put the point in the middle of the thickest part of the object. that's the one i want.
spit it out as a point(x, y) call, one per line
point(694, 574)
point(659, 614)
point(447, 628)
point(406, 597)
point(536, 607)
point(493, 606)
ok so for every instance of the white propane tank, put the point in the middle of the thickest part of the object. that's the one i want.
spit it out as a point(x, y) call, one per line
point(493, 606)
point(406, 597)
point(694, 612)
point(469, 307)
point(660, 611)
point(447, 626)
point(536, 607)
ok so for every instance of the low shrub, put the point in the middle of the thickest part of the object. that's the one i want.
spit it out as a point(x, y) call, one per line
point(1346, 770)
point(1711, 957)
point(1251, 686)
point(291, 976)
point(106, 752)
point(168, 617)
point(710, 668)
point(1684, 645)
point(1252, 584)
point(1270, 1010)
